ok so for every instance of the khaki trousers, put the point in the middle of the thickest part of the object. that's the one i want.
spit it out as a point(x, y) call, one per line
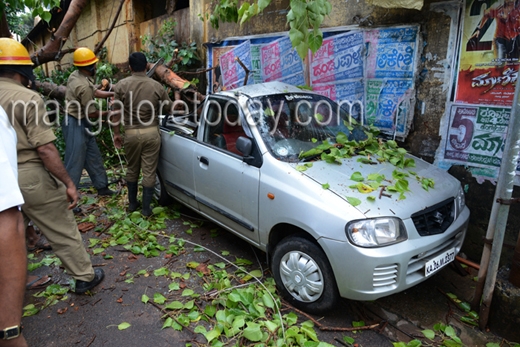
point(142, 148)
point(47, 206)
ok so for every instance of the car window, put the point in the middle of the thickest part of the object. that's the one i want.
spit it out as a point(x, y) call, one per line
point(290, 124)
point(224, 125)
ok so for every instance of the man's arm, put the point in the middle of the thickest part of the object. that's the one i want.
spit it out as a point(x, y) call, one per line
point(52, 161)
point(115, 122)
point(102, 94)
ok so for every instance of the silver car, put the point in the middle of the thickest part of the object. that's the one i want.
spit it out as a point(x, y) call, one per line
point(338, 211)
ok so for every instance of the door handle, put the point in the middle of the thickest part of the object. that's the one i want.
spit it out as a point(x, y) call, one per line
point(204, 160)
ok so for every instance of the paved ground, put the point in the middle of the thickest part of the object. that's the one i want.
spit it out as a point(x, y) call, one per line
point(79, 320)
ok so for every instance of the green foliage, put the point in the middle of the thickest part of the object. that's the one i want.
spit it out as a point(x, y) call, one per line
point(19, 23)
point(39, 8)
point(373, 148)
point(164, 46)
point(304, 17)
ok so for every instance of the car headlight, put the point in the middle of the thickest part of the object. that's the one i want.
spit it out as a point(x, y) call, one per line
point(376, 232)
point(460, 202)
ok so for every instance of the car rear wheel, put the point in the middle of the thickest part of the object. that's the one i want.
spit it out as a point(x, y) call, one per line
point(303, 275)
point(160, 192)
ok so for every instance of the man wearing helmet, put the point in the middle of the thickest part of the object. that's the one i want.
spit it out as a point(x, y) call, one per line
point(47, 189)
point(81, 149)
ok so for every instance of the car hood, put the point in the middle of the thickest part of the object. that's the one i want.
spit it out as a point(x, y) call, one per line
point(338, 179)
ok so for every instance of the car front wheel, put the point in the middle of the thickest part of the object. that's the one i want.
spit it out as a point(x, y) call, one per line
point(303, 275)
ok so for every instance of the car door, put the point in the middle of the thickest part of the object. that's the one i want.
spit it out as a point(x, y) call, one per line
point(176, 165)
point(226, 187)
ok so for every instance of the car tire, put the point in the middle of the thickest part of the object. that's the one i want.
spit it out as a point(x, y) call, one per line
point(160, 192)
point(315, 291)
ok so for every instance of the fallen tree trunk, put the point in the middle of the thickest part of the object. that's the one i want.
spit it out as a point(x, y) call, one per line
point(52, 49)
point(162, 73)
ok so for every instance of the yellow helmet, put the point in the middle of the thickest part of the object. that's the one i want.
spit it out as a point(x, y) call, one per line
point(13, 53)
point(84, 57)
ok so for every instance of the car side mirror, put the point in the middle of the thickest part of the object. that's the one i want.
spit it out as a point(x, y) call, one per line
point(244, 145)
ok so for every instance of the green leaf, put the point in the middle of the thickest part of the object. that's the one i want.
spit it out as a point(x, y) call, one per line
point(301, 168)
point(357, 176)
point(161, 272)
point(168, 323)
point(173, 286)
point(325, 186)
point(98, 250)
point(159, 298)
point(268, 300)
point(30, 310)
point(315, 41)
point(371, 198)
point(213, 334)
point(187, 292)
point(253, 332)
point(348, 340)
point(123, 326)
point(309, 331)
point(353, 201)
point(262, 4)
point(210, 310)
point(449, 331)
point(145, 298)
point(174, 305)
point(429, 334)
point(451, 343)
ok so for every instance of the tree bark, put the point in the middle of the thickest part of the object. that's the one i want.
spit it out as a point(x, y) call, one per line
point(51, 50)
point(51, 90)
point(4, 27)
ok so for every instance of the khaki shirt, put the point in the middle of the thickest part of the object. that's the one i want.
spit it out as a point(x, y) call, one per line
point(26, 112)
point(143, 100)
point(79, 96)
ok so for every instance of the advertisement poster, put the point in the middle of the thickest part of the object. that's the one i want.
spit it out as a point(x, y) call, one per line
point(488, 67)
point(280, 61)
point(476, 135)
point(391, 52)
point(388, 103)
point(233, 74)
point(372, 65)
point(339, 58)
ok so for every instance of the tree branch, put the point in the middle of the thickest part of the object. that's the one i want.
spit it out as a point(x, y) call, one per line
point(52, 49)
point(102, 42)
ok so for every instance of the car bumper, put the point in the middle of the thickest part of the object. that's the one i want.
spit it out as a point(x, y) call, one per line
point(371, 273)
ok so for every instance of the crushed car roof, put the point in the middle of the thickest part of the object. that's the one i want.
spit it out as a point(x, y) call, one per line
point(260, 89)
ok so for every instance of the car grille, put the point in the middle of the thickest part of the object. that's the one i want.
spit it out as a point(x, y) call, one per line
point(435, 219)
point(385, 275)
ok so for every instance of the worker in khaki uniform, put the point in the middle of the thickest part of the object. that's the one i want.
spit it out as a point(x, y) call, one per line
point(81, 149)
point(47, 189)
point(141, 100)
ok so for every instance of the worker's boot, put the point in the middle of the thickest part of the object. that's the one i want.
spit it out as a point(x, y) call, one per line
point(147, 199)
point(132, 196)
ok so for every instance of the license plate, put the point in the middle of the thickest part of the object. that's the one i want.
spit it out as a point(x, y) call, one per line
point(439, 262)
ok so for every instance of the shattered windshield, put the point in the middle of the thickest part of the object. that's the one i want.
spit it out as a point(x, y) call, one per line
point(292, 124)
